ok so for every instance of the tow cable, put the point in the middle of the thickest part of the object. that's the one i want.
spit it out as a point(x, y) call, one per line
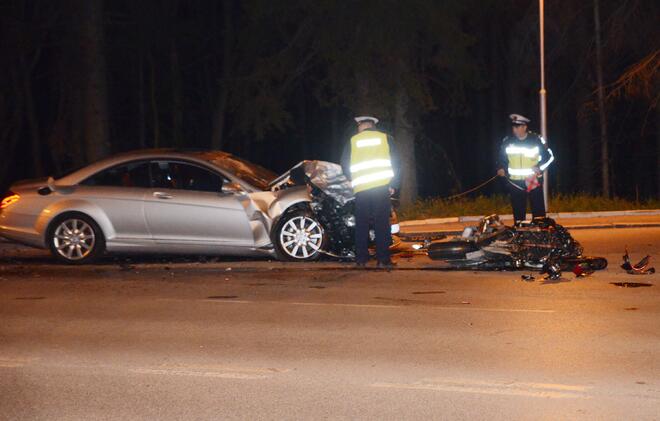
point(456, 196)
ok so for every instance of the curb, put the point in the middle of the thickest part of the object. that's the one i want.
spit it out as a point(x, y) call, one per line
point(554, 215)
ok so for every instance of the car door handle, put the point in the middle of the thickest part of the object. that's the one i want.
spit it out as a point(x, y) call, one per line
point(160, 195)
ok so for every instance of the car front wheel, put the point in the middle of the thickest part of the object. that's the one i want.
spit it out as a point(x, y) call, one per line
point(299, 237)
point(75, 238)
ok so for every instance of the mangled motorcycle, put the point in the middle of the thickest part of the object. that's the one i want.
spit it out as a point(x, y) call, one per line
point(540, 244)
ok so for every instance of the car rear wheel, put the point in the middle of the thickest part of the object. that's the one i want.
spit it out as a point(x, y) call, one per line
point(299, 237)
point(75, 238)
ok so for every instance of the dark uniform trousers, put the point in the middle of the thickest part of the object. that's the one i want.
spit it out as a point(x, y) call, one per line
point(519, 200)
point(373, 203)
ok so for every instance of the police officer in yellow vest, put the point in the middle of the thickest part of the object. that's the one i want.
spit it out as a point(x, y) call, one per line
point(522, 159)
point(370, 162)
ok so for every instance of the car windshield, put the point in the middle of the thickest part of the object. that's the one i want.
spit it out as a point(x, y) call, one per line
point(68, 171)
point(254, 174)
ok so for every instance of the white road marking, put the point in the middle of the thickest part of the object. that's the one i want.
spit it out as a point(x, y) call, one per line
point(536, 390)
point(462, 308)
point(7, 362)
point(214, 371)
point(209, 371)
point(195, 373)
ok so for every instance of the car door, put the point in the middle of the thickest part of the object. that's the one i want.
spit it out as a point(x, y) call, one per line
point(119, 192)
point(188, 206)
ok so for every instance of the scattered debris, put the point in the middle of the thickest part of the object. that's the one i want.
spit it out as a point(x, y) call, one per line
point(631, 284)
point(528, 278)
point(228, 269)
point(631, 308)
point(406, 255)
point(221, 297)
point(641, 268)
point(465, 302)
point(317, 287)
point(30, 298)
point(125, 267)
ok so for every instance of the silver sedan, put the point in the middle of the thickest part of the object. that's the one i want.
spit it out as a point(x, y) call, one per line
point(163, 201)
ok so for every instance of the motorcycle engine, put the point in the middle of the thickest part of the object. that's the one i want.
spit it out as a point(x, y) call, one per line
point(542, 239)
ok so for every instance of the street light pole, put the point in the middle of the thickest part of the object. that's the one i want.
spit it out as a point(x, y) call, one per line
point(542, 94)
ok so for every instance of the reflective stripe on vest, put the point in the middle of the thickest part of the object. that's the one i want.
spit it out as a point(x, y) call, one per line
point(521, 160)
point(370, 161)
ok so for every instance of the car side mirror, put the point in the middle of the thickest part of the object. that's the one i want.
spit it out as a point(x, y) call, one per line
point(232, 188)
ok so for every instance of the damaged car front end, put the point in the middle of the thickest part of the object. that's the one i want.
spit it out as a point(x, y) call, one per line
point(331, 202)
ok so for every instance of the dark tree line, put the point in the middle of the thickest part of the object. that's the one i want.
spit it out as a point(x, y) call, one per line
point(277, 82)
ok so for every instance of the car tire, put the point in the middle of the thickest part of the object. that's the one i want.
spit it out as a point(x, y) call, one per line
point(299, 236)
point(74, 238)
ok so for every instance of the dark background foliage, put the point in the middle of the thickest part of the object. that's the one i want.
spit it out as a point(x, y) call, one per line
point(279, 81)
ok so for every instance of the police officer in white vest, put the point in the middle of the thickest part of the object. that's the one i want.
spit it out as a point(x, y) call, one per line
point(522, 159)
point(371, 163)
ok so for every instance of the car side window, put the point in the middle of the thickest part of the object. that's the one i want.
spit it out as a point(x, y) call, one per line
point(134, 174)
point(179, 175)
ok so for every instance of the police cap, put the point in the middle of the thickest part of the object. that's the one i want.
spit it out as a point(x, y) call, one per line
point(519, 120)
point(365, 118)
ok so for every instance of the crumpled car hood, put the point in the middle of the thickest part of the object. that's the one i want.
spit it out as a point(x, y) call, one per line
point(325, 175)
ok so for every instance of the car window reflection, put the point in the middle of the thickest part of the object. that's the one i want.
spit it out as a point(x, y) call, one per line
point(134, 174)
point(182, 176)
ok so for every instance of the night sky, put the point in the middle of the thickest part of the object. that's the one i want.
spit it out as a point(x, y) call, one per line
point(276, 82)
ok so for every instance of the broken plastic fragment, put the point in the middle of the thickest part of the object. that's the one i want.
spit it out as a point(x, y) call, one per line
point(528, 278)
point(641, 268)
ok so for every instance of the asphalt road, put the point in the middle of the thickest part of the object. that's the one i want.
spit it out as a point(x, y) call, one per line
point(182, 339)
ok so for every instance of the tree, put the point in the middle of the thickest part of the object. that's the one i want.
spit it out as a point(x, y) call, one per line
point(221, 104)
point(641, 80)
point(602, 113)
point(388, 59)
point(94, 78)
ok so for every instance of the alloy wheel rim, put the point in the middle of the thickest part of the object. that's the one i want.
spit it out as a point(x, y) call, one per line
point(74, 239)
point(301, 237)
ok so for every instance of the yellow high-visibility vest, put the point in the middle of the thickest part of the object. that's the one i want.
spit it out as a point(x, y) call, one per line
point(521, 160)
point(371, 165)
